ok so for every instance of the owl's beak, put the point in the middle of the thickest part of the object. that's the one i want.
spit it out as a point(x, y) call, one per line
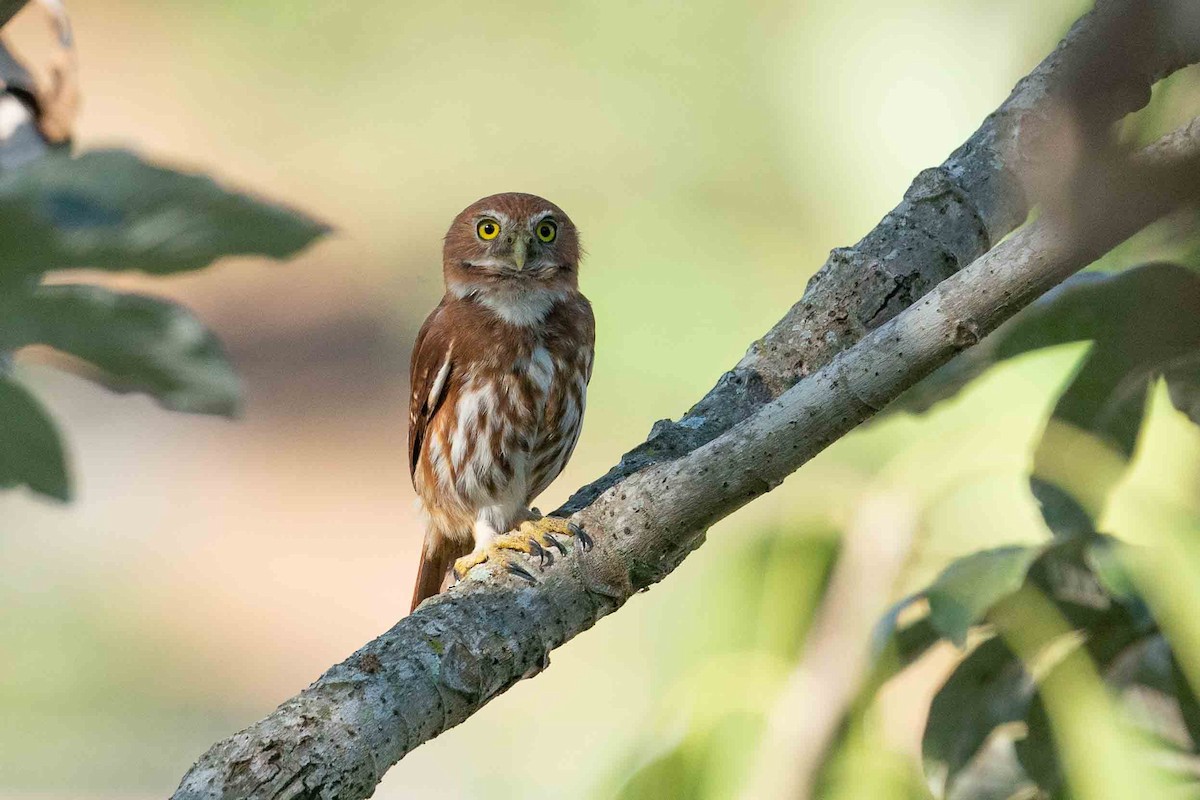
point(520, 250)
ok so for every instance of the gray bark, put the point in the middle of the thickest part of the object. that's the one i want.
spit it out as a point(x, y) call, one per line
point(950, 215)
point(874, 320)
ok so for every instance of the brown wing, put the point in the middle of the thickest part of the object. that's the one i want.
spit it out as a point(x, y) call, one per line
point(432, 364)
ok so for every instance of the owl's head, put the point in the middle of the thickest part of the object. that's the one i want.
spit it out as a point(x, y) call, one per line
point(510, 244)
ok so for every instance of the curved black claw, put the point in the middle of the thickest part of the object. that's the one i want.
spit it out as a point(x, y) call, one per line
point(544, 557)
point(559, 546)
point(520, 572)
point(584, 540)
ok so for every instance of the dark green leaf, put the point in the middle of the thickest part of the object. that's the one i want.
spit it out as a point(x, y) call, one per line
point(1063, 514)
point(1183, 385)
point(1066, 575)
point(1038, 752)
point(111, 210)
point(1107, 398)
point(1104, 559)
point(901, 645)
point(963, 594)
point(1090, 439)
point(1087, 444)
point(965, 591)
point(959, 598)
point(913, 640)
point(988, 689)
point(30, 451)
point(137, 343)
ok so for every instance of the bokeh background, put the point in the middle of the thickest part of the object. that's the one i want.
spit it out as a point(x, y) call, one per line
point(712, 153)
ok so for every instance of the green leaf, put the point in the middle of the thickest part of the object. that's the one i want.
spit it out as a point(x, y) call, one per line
point(137, 343)
point(1090, 439)
point(1183, 386)
point(967, 589)
point(896, 646)
point(1105, 558)
point(959, 598)
point(988, 689)
point(1107, 398)
point(1087, 444)
point(111, 210)
point(1080, 576)
point(1063, 514)
point(1038, 751)
point(30, 451)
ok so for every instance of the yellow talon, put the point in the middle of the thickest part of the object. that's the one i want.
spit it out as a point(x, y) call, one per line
point(468, 562)
point(534, 537)
point(542, 531)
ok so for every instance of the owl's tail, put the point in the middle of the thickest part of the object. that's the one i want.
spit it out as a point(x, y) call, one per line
point(437, 554)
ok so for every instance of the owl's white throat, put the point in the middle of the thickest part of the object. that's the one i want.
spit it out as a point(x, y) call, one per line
point(523, 308)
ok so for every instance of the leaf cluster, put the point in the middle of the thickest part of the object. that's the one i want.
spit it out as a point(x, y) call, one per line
point(113, 211)
point(1142, 326)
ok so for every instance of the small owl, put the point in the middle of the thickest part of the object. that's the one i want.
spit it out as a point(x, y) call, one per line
point(500, 372)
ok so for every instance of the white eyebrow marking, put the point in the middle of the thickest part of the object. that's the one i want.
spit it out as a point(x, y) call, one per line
point(496, 215)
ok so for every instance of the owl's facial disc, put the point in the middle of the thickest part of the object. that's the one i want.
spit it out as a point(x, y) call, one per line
point(508, 244)
point(509, 247)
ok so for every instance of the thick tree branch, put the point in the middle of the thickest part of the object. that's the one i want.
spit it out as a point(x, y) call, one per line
point(951, 214)
point(459, 650)
point(441, 664)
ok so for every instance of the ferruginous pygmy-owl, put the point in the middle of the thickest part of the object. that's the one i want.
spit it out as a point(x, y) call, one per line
point(499, 374)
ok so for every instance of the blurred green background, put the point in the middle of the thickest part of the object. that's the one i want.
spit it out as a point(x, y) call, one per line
point(711, 153)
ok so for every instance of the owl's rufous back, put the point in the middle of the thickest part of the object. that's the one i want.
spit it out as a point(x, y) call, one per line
point(499, 377)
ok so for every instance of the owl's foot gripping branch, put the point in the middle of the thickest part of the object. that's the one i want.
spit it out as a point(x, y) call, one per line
point(537, 537)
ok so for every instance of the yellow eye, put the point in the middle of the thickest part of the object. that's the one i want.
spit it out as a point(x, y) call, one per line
point(547, 230)
point(488, 229)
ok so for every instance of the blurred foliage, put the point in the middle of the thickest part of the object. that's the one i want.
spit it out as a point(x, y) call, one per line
point(1142, 325)
point(1075, 676)
point(31, 454)
point(709, 724)
point(110, 210)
